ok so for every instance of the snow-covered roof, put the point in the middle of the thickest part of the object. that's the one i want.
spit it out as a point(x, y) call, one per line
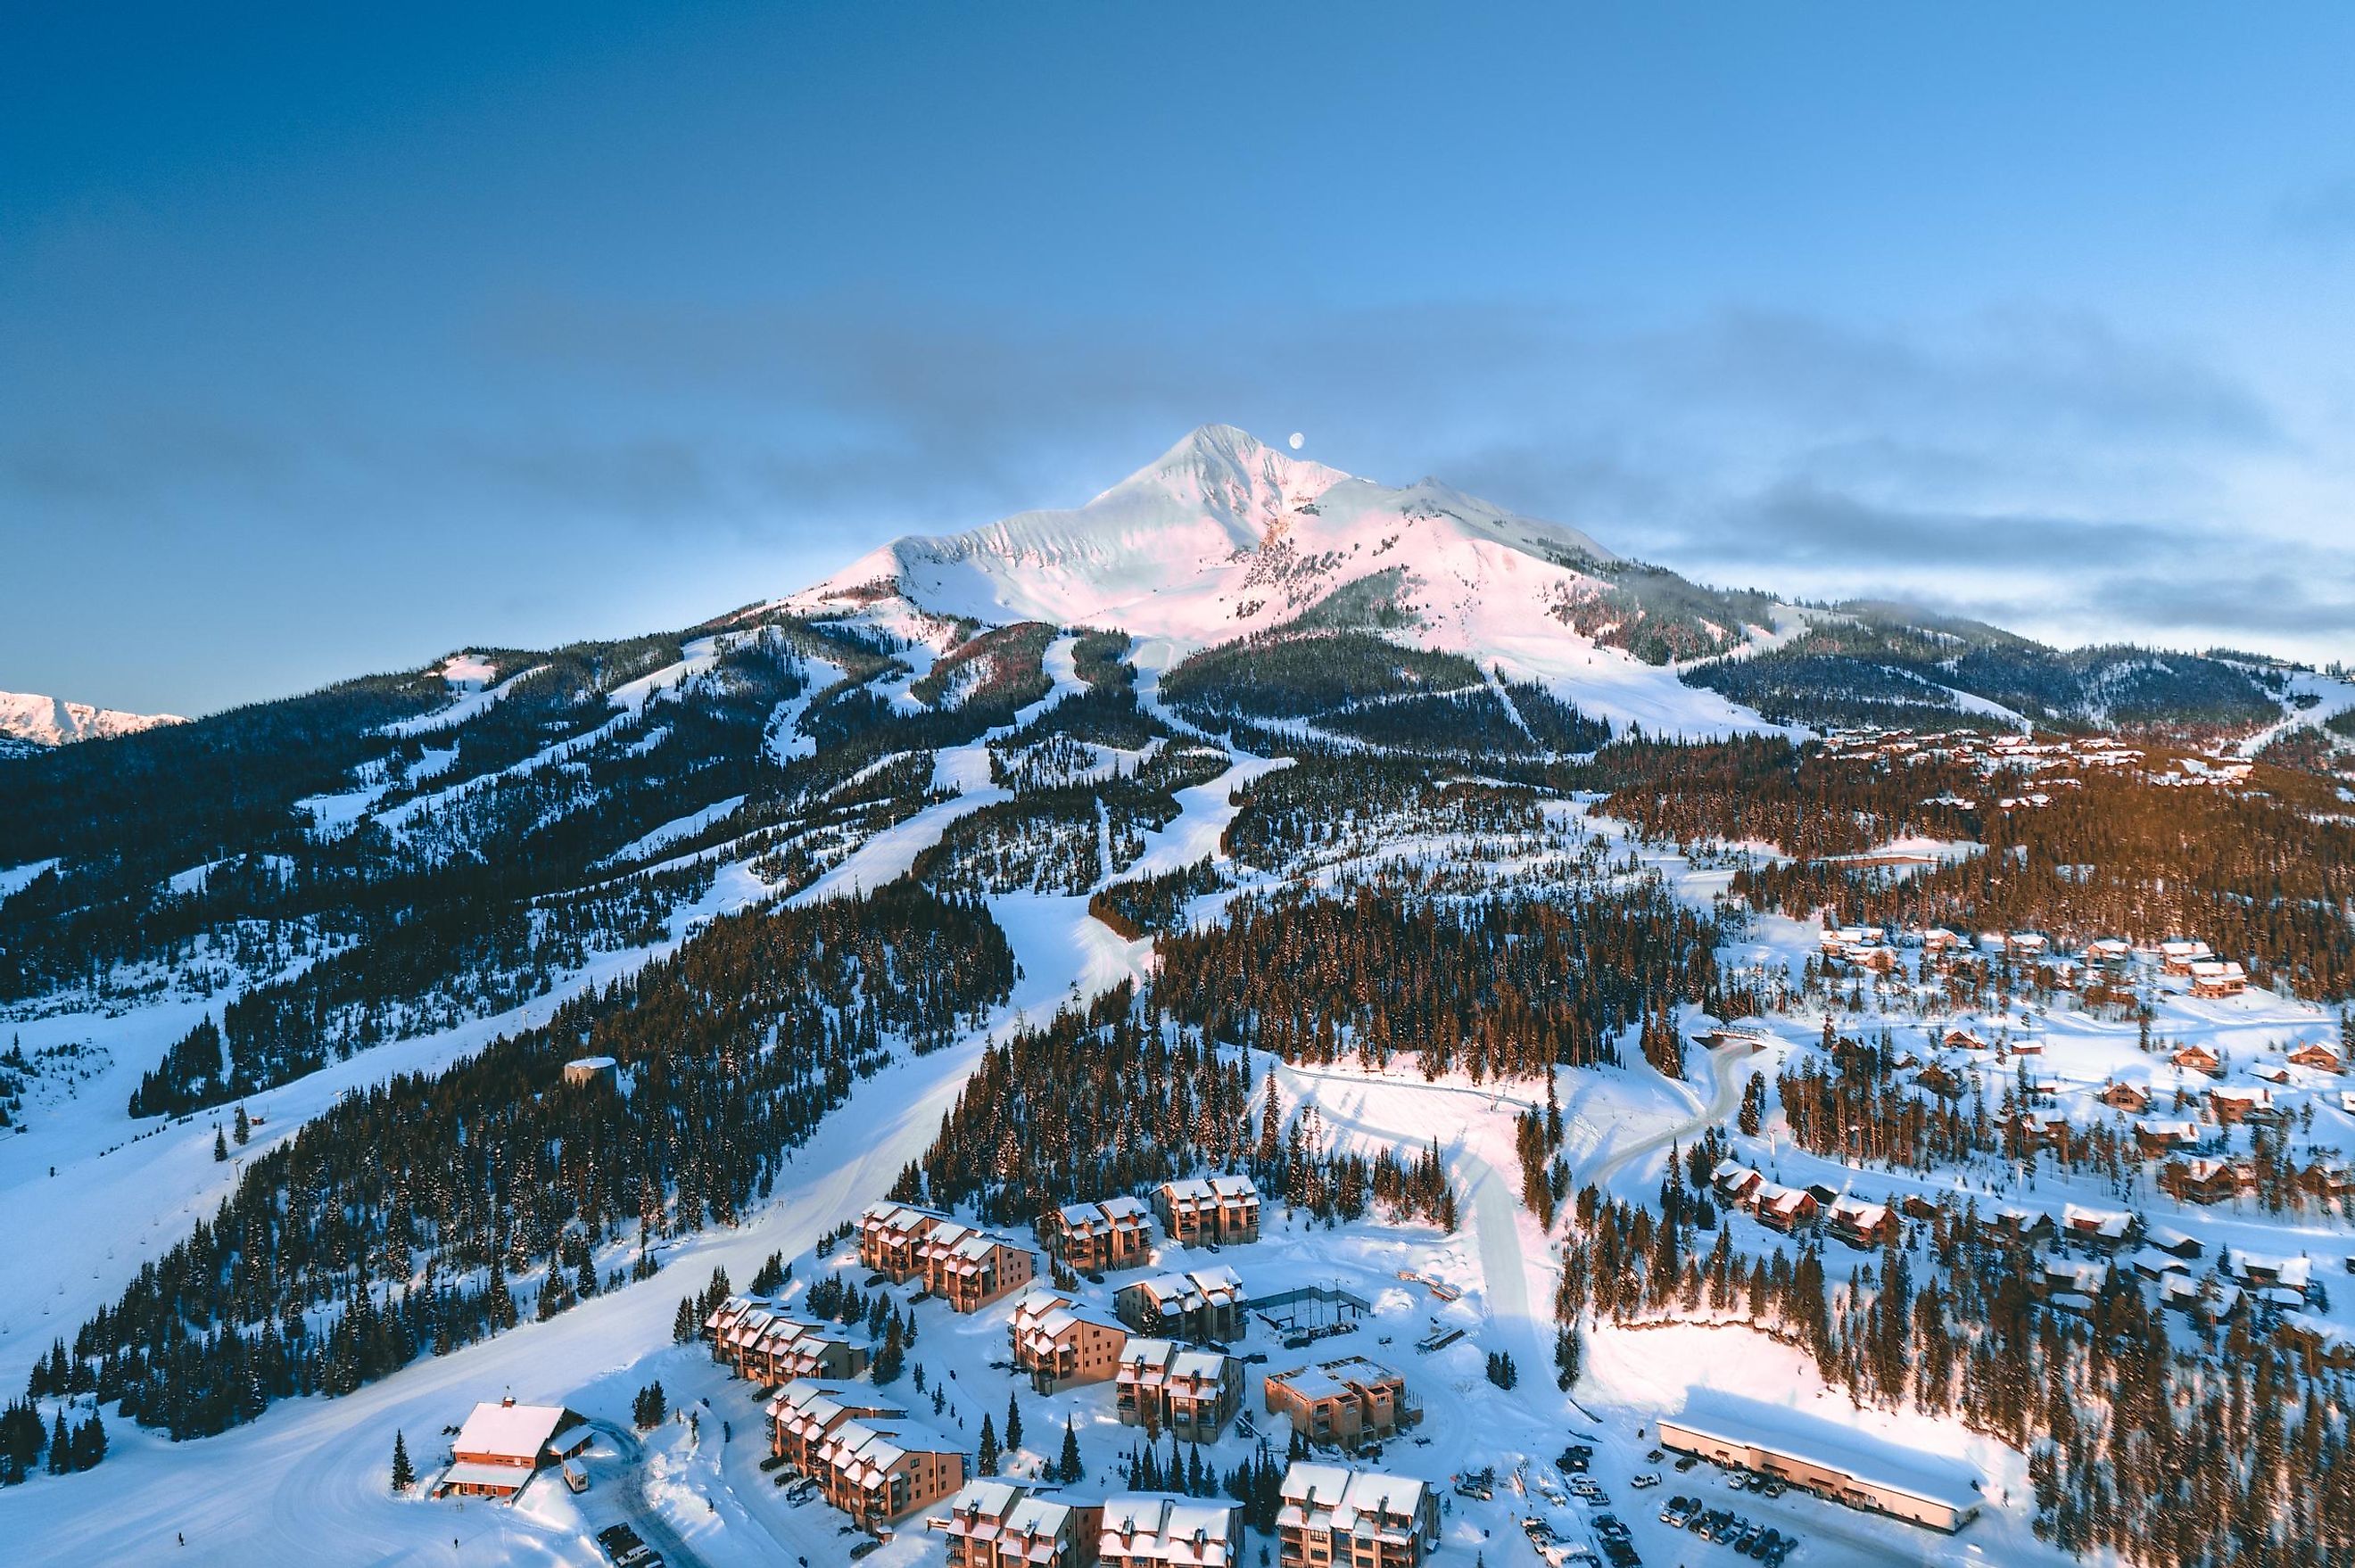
point(510, 1431)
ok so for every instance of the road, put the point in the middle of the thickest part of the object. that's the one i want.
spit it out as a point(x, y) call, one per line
point(1727, 1070)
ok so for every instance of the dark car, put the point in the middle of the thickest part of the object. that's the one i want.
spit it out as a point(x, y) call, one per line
point(1688, 1461)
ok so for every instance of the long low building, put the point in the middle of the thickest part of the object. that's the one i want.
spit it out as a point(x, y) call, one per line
point(1853, 1479)
point(1157, 1530)
point(871, 1459)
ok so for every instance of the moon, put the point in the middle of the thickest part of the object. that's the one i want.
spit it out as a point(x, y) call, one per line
point(1297, 439)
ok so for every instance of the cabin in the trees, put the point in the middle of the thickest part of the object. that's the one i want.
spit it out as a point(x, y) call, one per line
point(1202, 1303)
point(2177, 957)
point(1063, 1342)
point(2125, 1097)
point(1165, 1387)
point(2234, 1105)
point(1784, 1209)
point(2315, 1054)
point(2111, 953)
point(2261, 1271)
point(1155, 1530)
point(1861, 1223)
point(1901, 1491)
point(969, 1268)
point(1332, 1517)
point(992, 1523)
point(768, 1347)
point(2199, 1059)
point(502, 1447)
point(2018, 1223)
point(1964, 1040)
point(1344, 1403)
point(2156, 1135)
point(2208, 1301)
point(2108, 1229)
point(1941, 1080)
point(2200, 1180)
point(2219, 979)
point(1220, 1208)
point(1735, 1182)
point(1093, 1238)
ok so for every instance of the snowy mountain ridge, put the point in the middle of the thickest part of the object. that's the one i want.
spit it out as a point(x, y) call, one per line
point(1223, 537)
point(34, 720)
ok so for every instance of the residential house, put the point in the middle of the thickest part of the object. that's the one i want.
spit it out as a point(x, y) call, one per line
point(2233, 1105)
point(2315, 1054)
point(870, 1459)
point(2200, 1058)
point(1735, 1182)
point(2200, 1180)
point(768, 1347)
point(2208, 1301)
point(2219, 979)
point(2177, 957)
point(1784, 1209)
point(2015, 1223)
point(1859, 1223)
point(2108, 1229)
point(2125, 1097)
point(891, 1239)
point(2164, 1136)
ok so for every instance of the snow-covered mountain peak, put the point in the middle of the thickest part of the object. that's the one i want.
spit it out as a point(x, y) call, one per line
point(45, 721)
point(1221, 467)
point(1223, 535)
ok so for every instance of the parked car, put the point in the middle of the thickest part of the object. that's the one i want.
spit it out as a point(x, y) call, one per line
point(1688, 1461)
point(1649, 1478)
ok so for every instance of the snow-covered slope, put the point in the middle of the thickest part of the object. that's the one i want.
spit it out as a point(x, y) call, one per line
point(1223, 535)
point(46, 722)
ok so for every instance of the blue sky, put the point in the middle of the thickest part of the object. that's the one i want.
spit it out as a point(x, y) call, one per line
point(332, 339)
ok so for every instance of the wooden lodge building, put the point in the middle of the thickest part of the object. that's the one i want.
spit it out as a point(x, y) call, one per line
point(502, 1447)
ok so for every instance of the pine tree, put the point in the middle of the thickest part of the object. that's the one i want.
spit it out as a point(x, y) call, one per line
point(241, 1129)
point(685, 1324)
point(986, 1459)
point(403, 1475)
point(1013, 1422)
point(1068, 1469)
point(221, 1146)
point(891, 1357)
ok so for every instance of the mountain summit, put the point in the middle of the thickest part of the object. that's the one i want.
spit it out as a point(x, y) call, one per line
point(1223, 535)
